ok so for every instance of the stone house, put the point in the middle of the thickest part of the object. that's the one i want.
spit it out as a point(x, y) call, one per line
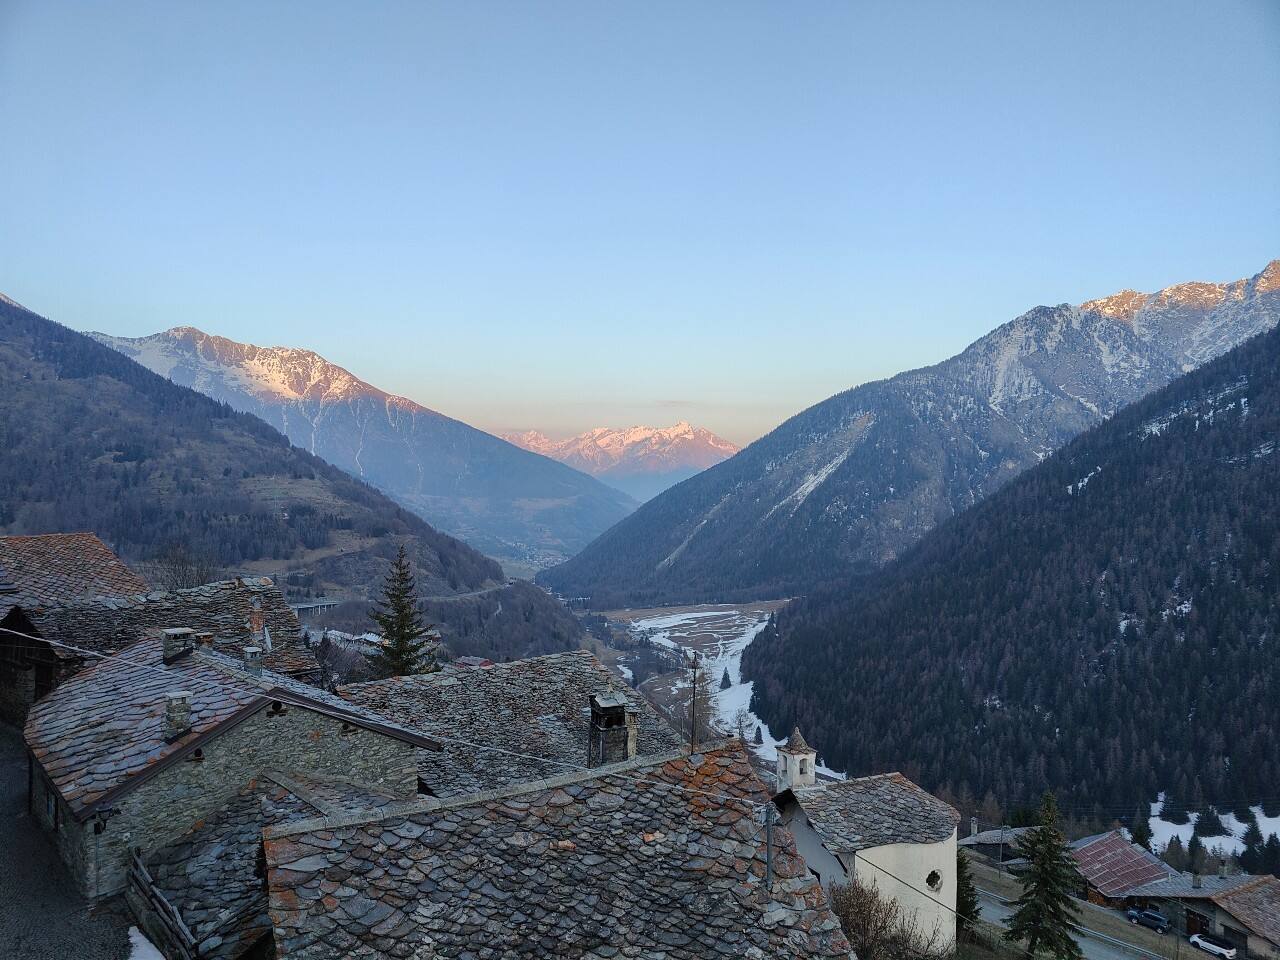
point(661, 856)
point(505, 723)
point(131, 753)
point(883, 831)
point(49, 569)
point(1242, 909)
point(232, 614)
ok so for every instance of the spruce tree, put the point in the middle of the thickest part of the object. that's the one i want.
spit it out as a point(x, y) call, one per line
point(1251, 857)
point(1271, 856)
point(1209, 824)
point(1046, 911)
point(725, 682)
point(759, 737)
point(1175, 854)
point(968, 909)
point(403, 650)
point(1196, 855)
point(1140, 828)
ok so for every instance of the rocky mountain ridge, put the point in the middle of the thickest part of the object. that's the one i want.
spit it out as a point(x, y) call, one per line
point(508, 502)
point(640, 460)
point(853, 481)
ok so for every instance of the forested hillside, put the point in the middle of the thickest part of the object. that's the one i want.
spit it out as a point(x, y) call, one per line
point(1107, 625)
point(93, 441)
point(854, 481)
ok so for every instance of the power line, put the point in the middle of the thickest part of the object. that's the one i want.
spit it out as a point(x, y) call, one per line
point(198, 681)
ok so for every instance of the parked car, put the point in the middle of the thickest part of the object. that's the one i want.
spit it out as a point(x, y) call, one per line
point(1149, 918)
point(1215, 945)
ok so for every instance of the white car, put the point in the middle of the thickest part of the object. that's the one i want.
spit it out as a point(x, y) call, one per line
point(1214, 945)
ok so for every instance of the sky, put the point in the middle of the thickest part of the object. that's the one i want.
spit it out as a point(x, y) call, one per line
point(565, 215)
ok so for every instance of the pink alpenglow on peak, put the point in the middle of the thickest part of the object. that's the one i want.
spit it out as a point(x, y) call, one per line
point(642, 461)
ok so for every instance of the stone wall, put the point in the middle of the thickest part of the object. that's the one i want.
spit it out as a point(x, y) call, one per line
point(170, 803)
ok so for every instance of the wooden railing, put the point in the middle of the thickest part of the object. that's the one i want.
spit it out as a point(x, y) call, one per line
point(179, 943)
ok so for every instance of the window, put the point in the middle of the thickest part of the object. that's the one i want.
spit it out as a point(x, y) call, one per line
point(804, 765)
point(934, 880)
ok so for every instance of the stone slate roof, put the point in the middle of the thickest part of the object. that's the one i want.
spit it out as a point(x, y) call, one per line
point(796, 743)
point(659, 858)
point(1256, 905)
point(1182, 886)
point(61, 566)
point(210, 874)
point(539, 707)
point(1113, 866)
point(852, 815)
point(224, 608)
point(1010, 837)
point(101, 730)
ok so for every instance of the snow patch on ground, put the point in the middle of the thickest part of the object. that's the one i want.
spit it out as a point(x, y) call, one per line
point(726, 656)
point(1073, 488)
point(1162, 831)
point(140, 948)
point(810, 483)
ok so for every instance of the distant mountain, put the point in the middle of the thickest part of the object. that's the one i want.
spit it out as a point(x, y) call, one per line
point(641, 461)
point(855, 480)
point(508, 502)
point(94, 441)
point(1104, 626)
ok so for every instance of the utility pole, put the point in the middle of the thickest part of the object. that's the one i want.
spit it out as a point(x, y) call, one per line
point(693, 708)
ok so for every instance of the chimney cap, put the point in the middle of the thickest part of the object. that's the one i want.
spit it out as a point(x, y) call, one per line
point(178, 696)
point(177, 632)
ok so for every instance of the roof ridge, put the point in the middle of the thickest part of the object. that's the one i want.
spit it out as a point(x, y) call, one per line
point(485, 796)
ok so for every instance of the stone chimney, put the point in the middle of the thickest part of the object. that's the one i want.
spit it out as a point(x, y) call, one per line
point(1222, 869)
point(253, 661)
point(612, 738)
point(177, 716)
point(260, 636)
point(178, 642)
point(1196, 881)
point(797, 763)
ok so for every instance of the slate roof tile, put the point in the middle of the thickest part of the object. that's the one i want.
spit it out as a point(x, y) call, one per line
point(62, 566)
point(106, 725)
point(852, 815)
point(225, 608)
point(673, 871)
point(1256, 905)
point(512, 712)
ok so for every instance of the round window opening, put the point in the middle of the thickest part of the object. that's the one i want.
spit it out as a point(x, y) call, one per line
point(934, 880)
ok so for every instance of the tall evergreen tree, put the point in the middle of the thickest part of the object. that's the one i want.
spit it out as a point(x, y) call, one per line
point(403, 650)
point(1197, 856)
point(1140, 827)
point(1175, 854)
point(725, 682)
point(1046, 910)
point(1251, 857)
point(1271, 855)
point(968, 910)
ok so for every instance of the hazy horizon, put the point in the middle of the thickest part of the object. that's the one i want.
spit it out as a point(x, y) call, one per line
point(578, 216)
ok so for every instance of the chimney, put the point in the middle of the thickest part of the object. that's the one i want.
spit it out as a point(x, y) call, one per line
point(973, 826)
point(204, 639)
point(253, 661)
point(177, 716)
point(1222, 869)
point(259, 635)
point(1196, 881)
point(177, 642)
point(612, 738)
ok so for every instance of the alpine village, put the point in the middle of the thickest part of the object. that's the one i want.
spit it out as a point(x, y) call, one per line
point(939, 625)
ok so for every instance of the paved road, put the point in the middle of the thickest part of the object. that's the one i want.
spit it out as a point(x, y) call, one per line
point(42, 917)
point(998, 911)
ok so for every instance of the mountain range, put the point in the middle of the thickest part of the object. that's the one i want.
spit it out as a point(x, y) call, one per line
point(505, 501)
point(640, 461)
point(1104, 626)
point(94, 441)
point(855, 480)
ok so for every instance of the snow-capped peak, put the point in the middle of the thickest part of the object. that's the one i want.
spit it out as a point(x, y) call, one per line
point(638, 449)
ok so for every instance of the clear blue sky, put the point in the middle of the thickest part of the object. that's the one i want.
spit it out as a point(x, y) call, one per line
point(561, 215)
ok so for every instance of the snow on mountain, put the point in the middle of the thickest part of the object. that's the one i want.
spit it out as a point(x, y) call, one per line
point(640, 460)
point(858, 478)
point(502, 499)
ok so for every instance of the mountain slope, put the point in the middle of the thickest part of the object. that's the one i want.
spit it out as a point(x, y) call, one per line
point(500, 499)
point(853, 481)
point(94, 441)
point(640, 461)
point(1105, 626)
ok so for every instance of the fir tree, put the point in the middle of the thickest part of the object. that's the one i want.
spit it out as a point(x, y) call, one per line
point(725, 682)
point(1175, 854)
point(1196, 855)
point(968, 909)
point(1209, 824)
point(1251, 857)
point(1271, 855)
point(403, 650)
point(1046, 910)
point(1140, 828)
point(759, 737)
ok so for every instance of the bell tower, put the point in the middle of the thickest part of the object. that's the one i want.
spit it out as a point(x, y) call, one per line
point(797, 762)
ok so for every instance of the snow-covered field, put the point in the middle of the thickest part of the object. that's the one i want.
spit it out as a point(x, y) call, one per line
point(719, 635)
point(1162, 831)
